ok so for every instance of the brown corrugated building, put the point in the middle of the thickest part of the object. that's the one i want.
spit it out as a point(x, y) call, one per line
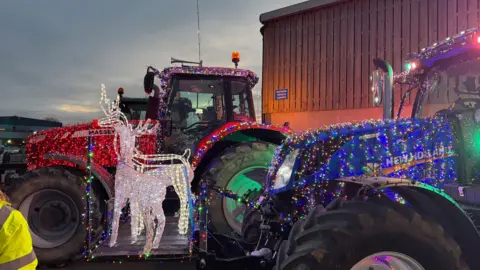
point(321, 51)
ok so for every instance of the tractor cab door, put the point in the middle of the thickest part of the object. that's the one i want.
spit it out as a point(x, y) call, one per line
point(242, 102)
point(466, 135)
point(455, 96)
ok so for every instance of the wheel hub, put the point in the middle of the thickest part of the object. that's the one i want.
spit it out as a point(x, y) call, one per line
point(388, 261)
point(52, 217)
point(243, 182)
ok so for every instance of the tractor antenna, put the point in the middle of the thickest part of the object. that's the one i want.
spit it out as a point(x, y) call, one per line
point(198, 33)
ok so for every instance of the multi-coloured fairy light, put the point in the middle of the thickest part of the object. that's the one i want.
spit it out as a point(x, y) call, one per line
point(418, 149)
point(144, 189)
point(167, 74)
point(87, 217)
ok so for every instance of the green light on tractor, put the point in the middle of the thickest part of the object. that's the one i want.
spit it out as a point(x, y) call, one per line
point(409, 66)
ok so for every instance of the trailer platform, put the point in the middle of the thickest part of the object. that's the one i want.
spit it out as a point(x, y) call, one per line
point(172, 245)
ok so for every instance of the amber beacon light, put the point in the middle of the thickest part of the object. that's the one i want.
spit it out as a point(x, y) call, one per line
point(235, 58)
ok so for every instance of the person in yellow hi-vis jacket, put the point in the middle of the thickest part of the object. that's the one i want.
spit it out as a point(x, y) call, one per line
point(16, 248)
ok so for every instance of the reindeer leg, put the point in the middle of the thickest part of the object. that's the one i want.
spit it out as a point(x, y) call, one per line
point(184, 214)
point(135, 220)
point(150, 230)
point(140, 220)
point(160, 215)
point(179, 186)
point(117, 212)
point(160, 226)
point(184, 206)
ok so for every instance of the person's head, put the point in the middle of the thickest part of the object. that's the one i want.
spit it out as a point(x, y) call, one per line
point(177, 96)
point(3, 197)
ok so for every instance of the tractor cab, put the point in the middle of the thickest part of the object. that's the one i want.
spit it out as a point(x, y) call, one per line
point(202, 101)
point(445, 80)
point(194, 101)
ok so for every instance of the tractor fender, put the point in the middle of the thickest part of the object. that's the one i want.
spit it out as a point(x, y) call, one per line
point(248, 130)
point(104, 177)
point(433, 203)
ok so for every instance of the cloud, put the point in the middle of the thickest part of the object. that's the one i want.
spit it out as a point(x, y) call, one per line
point(77, 109)
point(55, 54)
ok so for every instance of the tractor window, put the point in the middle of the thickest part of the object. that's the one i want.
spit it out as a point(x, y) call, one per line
point(454, 88)
point(241, 102)
point(196, 100)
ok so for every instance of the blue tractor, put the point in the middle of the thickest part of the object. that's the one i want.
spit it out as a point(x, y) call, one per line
point(397, 193)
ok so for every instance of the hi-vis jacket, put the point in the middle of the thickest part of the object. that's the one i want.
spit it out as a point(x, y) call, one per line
point(16, 249)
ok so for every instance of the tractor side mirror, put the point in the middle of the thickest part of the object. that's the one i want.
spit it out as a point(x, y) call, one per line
point(376, 80)
point(148, 82)
point(382, 87)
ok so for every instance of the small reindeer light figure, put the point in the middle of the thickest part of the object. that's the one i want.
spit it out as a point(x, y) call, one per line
point(181, 176)
point(144, 189)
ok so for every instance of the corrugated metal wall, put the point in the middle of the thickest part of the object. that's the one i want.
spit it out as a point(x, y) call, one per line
point(324, 56)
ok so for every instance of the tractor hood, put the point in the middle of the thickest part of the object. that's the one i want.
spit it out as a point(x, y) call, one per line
point(70, 143)
point(401, 148)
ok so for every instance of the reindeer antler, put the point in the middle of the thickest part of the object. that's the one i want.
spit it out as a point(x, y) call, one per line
point(113, 113)
point(110, 111)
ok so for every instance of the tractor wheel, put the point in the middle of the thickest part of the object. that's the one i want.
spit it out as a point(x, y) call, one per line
point(368, 235)
point(239, 168)
point(52, 200)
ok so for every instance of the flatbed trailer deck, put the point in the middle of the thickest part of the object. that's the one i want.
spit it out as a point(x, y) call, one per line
point(173, 245)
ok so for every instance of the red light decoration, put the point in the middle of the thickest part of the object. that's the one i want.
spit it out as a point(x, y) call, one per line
point(414, 65)
point(71, 141)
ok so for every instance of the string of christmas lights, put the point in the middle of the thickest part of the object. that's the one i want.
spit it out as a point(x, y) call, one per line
point(418, 149)
point(167, 74)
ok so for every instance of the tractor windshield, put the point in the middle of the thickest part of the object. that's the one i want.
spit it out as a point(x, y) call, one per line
point(204, 99)
point(450, 88)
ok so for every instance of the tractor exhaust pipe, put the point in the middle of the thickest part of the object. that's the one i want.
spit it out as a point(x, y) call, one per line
point(382, 85)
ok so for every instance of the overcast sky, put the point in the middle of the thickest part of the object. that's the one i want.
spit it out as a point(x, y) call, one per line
point(55, 54)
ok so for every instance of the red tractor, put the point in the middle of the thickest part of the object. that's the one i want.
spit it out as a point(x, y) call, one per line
point(208, 110)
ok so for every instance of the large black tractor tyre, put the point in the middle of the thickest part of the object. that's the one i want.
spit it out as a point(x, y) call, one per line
point(52, 200)
point(230, 169)
point(349, 231)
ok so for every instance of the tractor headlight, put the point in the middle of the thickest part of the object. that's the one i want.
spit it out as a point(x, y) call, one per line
point(285, 171)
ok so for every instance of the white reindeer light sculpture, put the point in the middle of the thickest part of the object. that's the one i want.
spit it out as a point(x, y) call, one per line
point(144, 189)
point(179, 173)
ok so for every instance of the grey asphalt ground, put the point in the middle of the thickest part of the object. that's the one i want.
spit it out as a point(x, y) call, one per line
point(129, 265)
